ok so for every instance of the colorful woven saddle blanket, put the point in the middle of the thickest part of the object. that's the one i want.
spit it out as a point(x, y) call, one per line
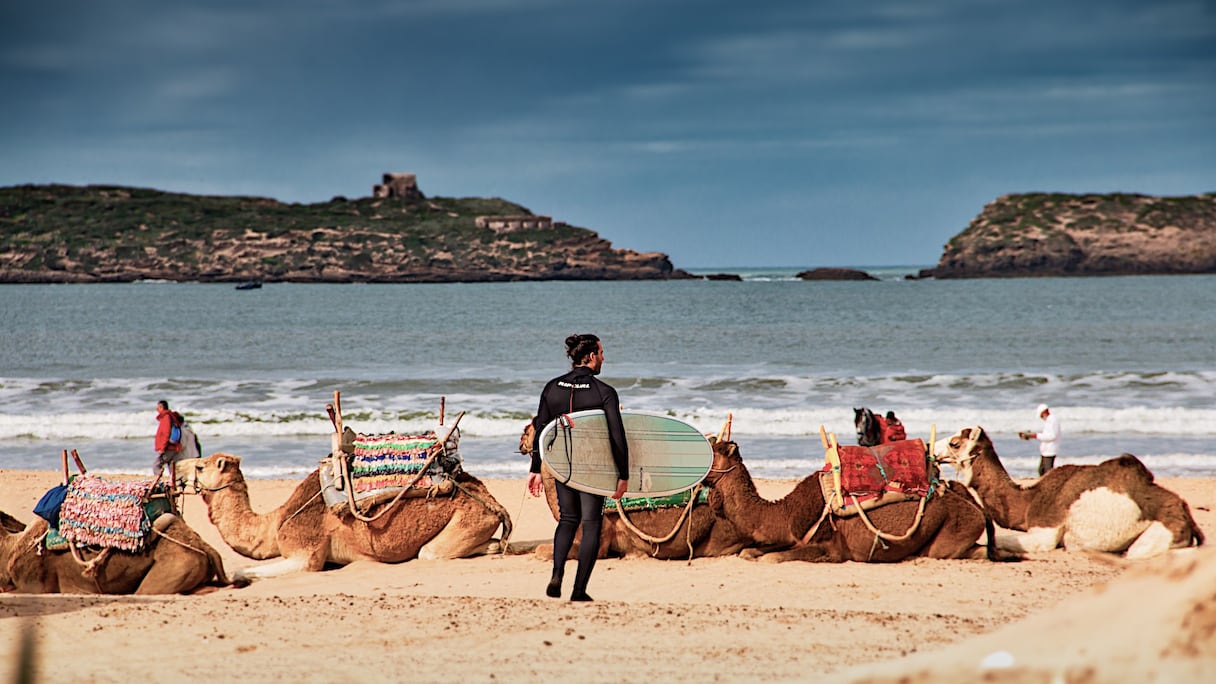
point(115, 514)
point(861, 478)
point(653, 503)
point(393, 461)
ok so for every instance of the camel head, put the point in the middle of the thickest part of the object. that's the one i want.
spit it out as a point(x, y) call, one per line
point(11, 524)
point(726, 459)
point(961, 450)
point(213, 473)
point(526, 438)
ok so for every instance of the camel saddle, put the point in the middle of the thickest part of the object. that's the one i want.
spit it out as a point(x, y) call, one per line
point(373, 469)
point(863, 478)
point(654, 503)
point(115, 514)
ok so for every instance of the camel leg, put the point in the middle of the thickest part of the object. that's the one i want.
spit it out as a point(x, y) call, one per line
point(459, 539)
point(1154, 541)
point(810, 553)
point(1034, 540)
point(276, 568)
point(958, 537)
point(293, 560)
point(174, 577)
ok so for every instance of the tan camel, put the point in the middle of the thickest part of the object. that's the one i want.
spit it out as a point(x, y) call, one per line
point(308, 535)
point(1112, 507)
point(951, 525)
point(175, 561)
point(672, 533)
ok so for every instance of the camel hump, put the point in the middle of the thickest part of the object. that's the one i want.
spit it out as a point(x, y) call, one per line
point(164, 521)
point(1129, 461)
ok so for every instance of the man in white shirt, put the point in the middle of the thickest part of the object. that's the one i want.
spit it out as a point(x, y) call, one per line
point(1049, 439)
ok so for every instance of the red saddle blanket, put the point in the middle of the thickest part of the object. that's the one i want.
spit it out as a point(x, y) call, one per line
point(895, 471)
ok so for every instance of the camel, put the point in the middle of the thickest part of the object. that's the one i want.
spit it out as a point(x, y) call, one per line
point(175, 561)
point(1112, 507)
point(307, 535)
point(663, 533)
point(951, 525)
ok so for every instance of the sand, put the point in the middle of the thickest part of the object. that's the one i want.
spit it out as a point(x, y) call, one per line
point(1056, 617)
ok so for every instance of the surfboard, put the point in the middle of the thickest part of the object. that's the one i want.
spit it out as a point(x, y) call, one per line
point(666, 456)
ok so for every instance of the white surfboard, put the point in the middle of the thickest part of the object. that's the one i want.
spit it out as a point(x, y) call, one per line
point(666, 456)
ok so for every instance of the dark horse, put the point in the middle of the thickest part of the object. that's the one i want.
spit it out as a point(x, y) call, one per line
point(873, 430)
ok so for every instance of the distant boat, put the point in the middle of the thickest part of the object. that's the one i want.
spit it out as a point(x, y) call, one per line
point(249, 285)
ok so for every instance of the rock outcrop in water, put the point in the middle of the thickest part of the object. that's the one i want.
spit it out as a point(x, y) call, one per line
point(71, 234)
point(1041, 234)
point(835, 274)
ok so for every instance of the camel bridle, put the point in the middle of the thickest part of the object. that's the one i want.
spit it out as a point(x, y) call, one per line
point(968, 449)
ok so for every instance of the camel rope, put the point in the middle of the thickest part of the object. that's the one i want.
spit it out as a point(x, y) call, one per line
point(806, 538)
point(199, 488)
point(692, 500)
point(920, 513)
point(90, 567)
point(974, 437)
point(300, 509)
point(519, 514)
point(179, 542)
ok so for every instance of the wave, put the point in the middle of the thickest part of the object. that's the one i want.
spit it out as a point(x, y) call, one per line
point(1101, 403)
point(788, 422)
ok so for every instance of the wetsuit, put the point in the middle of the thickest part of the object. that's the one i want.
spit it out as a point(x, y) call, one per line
point(576, 391)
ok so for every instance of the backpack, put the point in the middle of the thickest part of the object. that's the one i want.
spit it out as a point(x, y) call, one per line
point(48, 506)
point(175, 431)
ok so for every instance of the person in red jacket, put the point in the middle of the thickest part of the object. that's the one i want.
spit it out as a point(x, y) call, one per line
point(166, 450)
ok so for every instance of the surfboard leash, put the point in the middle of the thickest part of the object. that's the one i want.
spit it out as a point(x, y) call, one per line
point(566, 423)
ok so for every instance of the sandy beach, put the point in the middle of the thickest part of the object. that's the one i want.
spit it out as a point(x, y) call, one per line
point(1057, 616)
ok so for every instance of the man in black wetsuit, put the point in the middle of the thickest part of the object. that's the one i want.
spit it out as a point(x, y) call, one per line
point(575, 391)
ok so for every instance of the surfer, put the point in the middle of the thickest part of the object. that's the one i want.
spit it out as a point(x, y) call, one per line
point(577, 390)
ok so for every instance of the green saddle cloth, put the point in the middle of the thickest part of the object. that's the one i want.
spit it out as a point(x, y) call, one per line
point(53, 541)
point(651, 503)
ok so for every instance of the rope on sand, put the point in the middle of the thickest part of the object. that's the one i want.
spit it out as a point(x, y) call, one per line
point(670, 535)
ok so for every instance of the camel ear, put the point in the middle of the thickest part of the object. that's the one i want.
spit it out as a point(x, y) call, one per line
point(732, 449)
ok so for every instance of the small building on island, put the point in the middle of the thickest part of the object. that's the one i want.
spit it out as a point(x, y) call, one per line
point(398, 186)
point(512, 224)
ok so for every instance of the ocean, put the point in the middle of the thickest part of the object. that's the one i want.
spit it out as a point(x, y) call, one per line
point(1127, 363)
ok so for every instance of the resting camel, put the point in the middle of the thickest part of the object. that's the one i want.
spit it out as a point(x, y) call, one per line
point(175, 561)
point(1113, 507)
point(664, 533)
point(307, 535)
point(950, 527)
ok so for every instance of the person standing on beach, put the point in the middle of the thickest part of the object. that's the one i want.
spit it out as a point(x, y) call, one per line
point(1049, 439)
point(578, 390)
point(166, 450)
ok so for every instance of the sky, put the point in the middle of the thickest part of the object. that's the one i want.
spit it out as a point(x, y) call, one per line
point(723, 133)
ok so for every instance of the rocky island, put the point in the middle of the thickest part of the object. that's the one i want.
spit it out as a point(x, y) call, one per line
point(88, 234)
point(1041, 234)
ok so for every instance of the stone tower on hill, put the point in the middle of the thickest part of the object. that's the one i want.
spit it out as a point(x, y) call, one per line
point(398, 186)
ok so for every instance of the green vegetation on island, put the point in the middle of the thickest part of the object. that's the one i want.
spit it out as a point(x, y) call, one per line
point(1057, 234)
point(62, 233)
